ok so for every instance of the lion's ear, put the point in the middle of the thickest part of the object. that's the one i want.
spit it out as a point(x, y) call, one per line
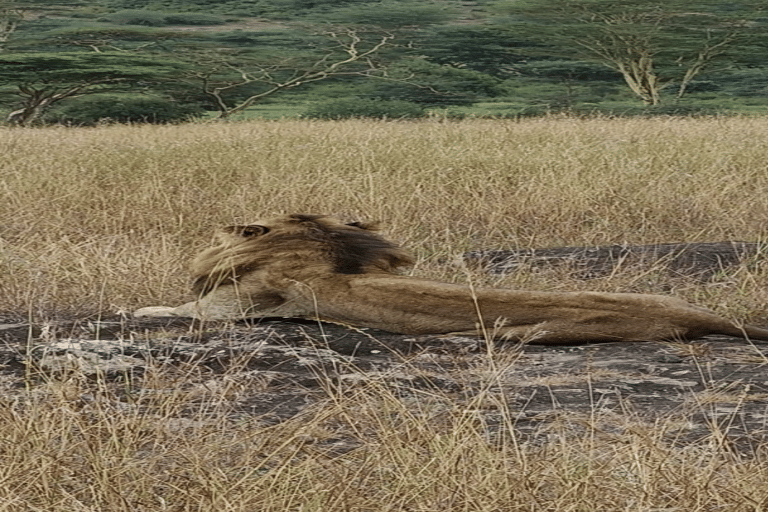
point(368, 226)
point(250, 231)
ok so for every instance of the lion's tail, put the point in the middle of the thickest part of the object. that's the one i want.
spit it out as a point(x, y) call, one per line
point(744, 331)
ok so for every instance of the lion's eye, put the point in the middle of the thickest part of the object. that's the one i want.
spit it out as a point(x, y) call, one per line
point(251, 231)
point(368, 226)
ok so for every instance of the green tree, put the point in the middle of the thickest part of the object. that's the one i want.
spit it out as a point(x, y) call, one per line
point(39, 80)
point(160, 18)
point(352, 108)
point(652, 46)
point(424, 82)
point(489, 49)
point(123, 108)
point(391, 15)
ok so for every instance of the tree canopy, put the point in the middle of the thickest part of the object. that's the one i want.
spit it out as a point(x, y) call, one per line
point(226, 56)
point(652, 46)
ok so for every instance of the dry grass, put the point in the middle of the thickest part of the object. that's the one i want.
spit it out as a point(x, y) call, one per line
point(100, 220)
point(76, 446)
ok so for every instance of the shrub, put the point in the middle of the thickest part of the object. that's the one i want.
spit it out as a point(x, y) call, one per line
point(391, 15)
point(136, 17)
point(675, 110)
point(122, 108)
point(193, 18)
point(428, 83)
point(348, 108)
point(159, 19)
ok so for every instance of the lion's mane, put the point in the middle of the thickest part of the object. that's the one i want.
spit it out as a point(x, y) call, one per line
point(317, 240)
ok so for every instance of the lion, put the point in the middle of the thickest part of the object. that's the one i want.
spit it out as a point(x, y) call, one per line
point(320, 268)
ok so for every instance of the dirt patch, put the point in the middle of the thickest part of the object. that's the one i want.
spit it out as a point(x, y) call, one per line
point(276, 369)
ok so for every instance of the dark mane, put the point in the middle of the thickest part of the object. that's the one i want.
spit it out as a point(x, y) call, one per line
point(354, 247)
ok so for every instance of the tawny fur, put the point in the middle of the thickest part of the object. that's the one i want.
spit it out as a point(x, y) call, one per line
point(317, 267)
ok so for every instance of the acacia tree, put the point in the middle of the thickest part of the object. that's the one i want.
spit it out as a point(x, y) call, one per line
point(34, 81)
point(652, 46)
point(223, 76)
point(632, 43)
point(42, 79)
point(37, 98)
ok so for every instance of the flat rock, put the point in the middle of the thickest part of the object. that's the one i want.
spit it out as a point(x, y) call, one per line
point(701, 260)
point(274, 370)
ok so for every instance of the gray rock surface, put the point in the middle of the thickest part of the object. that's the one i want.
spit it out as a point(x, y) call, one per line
point(274, 370)
point(701, 260)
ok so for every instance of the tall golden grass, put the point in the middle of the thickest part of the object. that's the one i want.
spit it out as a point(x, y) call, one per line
point(101, 220)
point(106, 218)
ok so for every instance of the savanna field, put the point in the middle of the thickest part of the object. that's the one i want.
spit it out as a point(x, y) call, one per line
point(100, 221)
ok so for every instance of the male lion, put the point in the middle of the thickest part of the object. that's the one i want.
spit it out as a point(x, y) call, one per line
point(317, 267)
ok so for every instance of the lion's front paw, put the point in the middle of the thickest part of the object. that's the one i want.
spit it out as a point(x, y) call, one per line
point(156, 311)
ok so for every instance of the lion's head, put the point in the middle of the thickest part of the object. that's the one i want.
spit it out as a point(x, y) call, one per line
point(308, 240)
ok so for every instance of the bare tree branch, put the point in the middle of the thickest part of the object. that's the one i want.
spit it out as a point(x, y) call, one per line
point(705, 56)
point(274, 77)
point(97, 45)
